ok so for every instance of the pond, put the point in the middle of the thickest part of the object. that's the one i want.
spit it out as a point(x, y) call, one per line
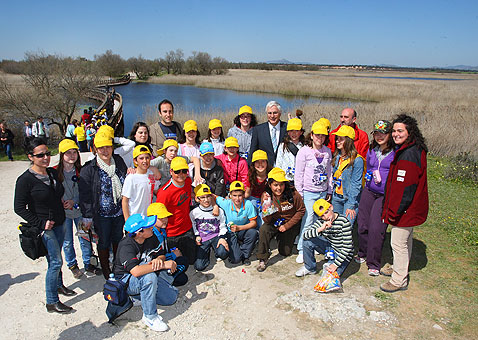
point(140, 100)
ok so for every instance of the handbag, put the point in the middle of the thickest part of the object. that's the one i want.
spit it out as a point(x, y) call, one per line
point(31, 241)
point(115, 291)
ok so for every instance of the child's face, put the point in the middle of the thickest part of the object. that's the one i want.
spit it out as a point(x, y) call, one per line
point(170, 153)
point(317, 140)
point(216, 132)
point(237, 197)
point(260, 165)
point(141, 135)
point(205, 200)
point(294, 135)
point(328, 215)
point(207, 158)
point(143, 161)
point(191, 136)
point(277, 188)
point(161, 223)
point(231, 151)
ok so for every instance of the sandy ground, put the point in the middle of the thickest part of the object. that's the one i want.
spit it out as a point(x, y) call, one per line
point(224, 302)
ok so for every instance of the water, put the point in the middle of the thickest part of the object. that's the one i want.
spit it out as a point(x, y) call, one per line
point(142, 98)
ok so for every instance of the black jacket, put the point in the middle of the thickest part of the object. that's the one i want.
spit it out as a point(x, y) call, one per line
point(89, 185)
point(37, 202)
point(214, 179)
point(261, 140)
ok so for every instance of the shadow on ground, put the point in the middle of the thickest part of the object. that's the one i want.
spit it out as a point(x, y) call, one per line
point(6, 280)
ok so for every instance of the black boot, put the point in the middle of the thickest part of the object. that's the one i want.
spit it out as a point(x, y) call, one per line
point(104, 255)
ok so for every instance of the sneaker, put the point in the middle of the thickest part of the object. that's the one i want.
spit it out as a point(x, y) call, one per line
point(77, 273)
point(373, 272)
point(359, 259)
point(156, 324)
point(390, 288)
point(299, 258)
point(386, 271)
point(92, 270)
point(246, 262)
point(262, 266)
point(304, 271)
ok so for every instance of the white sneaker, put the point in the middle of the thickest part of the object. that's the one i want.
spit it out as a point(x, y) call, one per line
point(304, 271)
point(299, 258)
point(156, 324)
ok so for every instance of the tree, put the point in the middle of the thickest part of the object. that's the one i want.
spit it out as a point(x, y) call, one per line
point(143, 68)
point(110, 64)
point(174, 61)
point(54, 86)
point(220, 65)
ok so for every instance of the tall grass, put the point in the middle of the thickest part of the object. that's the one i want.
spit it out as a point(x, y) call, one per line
point(446, 110)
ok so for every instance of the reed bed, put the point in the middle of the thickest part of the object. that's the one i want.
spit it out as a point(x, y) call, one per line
point(446, 110)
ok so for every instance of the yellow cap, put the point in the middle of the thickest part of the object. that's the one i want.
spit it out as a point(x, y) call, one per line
point(278, 175)
point(190, 125)
point(67, 144)
point(106, 129)
point(245, 109)
point(319, 129)
point(294, 124)
point(237, 185)
point(140, 150)
point(320, 207)
point(103, 139)
point(231, 142)
point(345, 131)
point(158, 209)
point(326, 123)
point(167, 143)
point(201, 190)
point(214, 123)
point(258, 155)
point(179, 163)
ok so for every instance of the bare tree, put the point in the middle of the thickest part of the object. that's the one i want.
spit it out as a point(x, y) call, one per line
point(110, 64)
point(54, 86)
point(143, 68)
point(174, 61)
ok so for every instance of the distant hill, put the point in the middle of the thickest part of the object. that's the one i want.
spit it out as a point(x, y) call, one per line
point(287, 62)
point(462, 67)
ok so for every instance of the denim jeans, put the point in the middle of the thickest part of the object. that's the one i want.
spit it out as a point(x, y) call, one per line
point(320, 244)
point(152, 290)
point(68, 244)
point(241, 244)
point(338, 201)
point(204, 250)
point(109, 230)
point(53, 240)
point(309, 217)
point(255, 201)
point(8, 150)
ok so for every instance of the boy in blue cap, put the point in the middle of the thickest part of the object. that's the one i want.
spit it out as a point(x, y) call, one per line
point(211, 170)
point(133, 265)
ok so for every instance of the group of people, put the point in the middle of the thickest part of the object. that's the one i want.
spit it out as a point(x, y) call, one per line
point(163, 199)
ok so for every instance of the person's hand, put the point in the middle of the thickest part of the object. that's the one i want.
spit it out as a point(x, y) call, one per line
point(328, 197)
point(351, 213)
point(224, 244)
point(177, 252)
point(68, 204)
point(332, 268)
point(327, 225)
point(157, 264)
point(235, 227)
point(170, 265)
point(49, 225)
point(215, 210)
point(282, 229)
point(198, 240)
point(131, 171)
point(156, 173)
point(198, 179)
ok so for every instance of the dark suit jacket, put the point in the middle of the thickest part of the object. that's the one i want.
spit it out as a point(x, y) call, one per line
point(261, 140)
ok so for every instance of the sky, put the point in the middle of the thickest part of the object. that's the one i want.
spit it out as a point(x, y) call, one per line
point(403, 33)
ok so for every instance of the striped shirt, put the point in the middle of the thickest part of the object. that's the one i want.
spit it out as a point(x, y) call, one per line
point(339, 235)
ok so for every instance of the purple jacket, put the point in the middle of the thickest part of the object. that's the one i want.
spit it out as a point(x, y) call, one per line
point(383, 166)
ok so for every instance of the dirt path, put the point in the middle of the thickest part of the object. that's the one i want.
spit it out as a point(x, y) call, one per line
point(226, 302)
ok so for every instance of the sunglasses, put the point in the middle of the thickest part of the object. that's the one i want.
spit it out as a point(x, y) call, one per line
point(42, 155)
point(182, 171)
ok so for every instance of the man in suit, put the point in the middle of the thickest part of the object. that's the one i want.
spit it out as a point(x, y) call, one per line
point(267, 136)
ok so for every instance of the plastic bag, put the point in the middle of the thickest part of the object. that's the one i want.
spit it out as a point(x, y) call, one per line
point(328, 281)
point(268, 208)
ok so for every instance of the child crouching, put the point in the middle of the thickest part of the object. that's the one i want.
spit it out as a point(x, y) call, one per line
point(331, 230)
point(210, 230)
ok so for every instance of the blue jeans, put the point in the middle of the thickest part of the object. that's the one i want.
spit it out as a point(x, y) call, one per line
point(241, 244)
point(8, 150)
point(338, 201)
point(203, 251)
point(53, 240)
point(255, 201)
point(109, 230)
point(321, 244)
point(309, 217)
point(151, 290)
point(68, 244)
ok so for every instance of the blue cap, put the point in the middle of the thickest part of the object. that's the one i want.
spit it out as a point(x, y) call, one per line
point(205, 148)
point(137, 222)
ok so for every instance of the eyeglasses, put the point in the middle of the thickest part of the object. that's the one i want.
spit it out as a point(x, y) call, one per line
point(204, 197)
point(182, 171)
point(42, 155)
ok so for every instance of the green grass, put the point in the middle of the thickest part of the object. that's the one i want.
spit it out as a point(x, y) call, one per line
point(19, 154)
point(451, 241)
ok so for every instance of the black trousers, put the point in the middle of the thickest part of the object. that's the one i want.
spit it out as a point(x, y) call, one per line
point(285, 240)
point(186, 243)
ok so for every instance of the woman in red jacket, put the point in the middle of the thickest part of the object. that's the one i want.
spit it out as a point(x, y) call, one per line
point(406, 197)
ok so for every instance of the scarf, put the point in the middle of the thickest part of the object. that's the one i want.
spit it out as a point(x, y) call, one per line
point(111, 172)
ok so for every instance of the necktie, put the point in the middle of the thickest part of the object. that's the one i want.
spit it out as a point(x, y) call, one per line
point(274, 138)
